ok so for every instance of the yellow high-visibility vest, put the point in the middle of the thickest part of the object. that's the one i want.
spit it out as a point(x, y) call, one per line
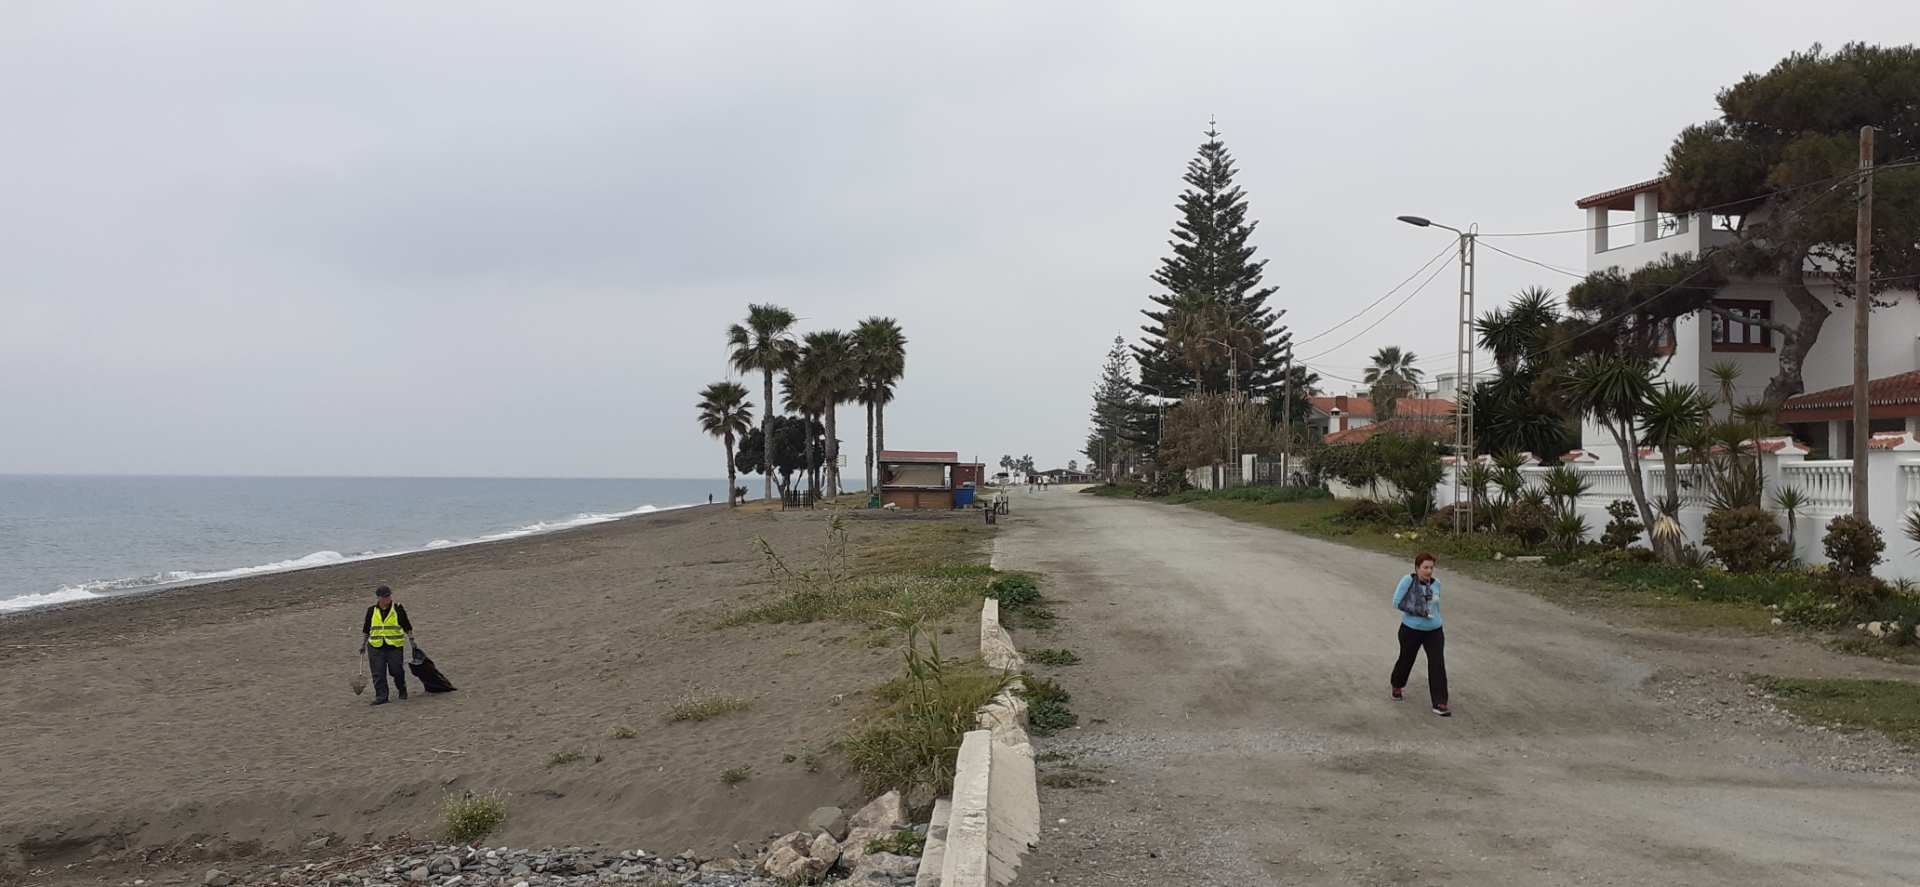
point(386, 628)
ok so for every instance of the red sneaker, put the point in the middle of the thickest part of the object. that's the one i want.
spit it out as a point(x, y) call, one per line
point(1396, 695)
point(1442, 710)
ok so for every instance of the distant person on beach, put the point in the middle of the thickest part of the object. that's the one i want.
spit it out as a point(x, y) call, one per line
point(387, 631)
point(1417, 597)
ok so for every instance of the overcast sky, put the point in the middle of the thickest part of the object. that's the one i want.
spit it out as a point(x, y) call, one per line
point(507, 239)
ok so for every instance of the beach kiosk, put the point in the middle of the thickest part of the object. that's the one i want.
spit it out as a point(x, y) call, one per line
point(918, 478)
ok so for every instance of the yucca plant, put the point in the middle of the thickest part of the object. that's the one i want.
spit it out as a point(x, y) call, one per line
point(1790, 500)
point(1565, 486)
point(1666, 524)
point(1569, 530)
point(1911, 526)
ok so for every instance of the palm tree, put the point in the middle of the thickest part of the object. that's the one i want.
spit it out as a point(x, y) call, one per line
point(1391, 377)
point(1671, 416)
point(797, 397)
point(725, 414)
point(830, 375)
point(880, 351)
point(1615, 390)
point(764, 343)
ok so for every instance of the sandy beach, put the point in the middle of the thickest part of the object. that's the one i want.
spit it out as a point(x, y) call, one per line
point(217, 720)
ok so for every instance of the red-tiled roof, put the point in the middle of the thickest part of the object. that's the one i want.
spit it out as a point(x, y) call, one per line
point(939, 456)
point(1397, 425)
point(1889, 391)
point(1886, 440)
point(1362, 407)
point(1612, 199)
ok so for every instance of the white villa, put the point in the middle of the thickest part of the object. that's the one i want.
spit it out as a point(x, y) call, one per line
point(1816, 458)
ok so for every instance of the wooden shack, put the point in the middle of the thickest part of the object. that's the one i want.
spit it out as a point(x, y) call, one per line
point(918, 478)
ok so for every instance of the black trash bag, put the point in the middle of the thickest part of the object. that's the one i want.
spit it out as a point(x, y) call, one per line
point(429, 674)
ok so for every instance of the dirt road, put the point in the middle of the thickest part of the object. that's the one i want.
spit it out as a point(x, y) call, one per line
point(1239, 679)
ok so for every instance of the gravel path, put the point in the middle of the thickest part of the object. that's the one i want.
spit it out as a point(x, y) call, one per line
point(1237, 731)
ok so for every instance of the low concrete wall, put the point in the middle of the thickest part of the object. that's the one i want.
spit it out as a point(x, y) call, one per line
point(993, 818)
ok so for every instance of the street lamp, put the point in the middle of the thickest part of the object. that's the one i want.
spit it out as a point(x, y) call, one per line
point(1463, 371)
point(1233, 402)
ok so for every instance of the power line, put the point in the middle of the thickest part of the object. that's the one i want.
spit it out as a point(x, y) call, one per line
point(1903, 162)
point(1377, 321)
point(1396, 288)
point(1554, 268)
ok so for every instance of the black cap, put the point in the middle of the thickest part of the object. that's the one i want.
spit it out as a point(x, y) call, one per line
point(383, 591)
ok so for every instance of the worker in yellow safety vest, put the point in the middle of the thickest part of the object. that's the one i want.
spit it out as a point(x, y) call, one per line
point(386, 630)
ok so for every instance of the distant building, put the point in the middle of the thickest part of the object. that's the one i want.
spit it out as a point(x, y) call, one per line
point(1344, 412)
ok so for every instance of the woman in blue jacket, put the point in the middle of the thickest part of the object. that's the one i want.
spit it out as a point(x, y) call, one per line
point(1418, 600)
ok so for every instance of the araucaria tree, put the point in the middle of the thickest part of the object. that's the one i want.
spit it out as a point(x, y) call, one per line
point(1779, 165)
point(1116, 410)
point(726, 414)
point(1211, 317)
point(764, 344)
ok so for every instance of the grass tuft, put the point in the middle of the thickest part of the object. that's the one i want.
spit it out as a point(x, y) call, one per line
point(1054, 657)
point(913, 736)
point(623, 732)
point(705, 708)
point(562, 758)
point(1047, 710)
point(1890, 707)
point(469, 817)
point(735, 775)
point(903, 842)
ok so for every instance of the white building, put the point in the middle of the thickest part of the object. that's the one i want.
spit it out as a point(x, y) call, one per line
point(1699, 341)
point(1816, 459)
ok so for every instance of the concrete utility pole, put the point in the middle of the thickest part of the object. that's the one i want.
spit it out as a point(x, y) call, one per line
point(1862, 304)
point(1463, 371)
point(1286, 421)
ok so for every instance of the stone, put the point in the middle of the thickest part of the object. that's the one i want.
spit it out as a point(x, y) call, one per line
point(825, 848)
point(520, 870)
point(854, 848)
point(217, 878)
point(884, 868)
point(419, 873)
point(722, 867)
point(831, 820)
point(886, 813)
point(320, 843)
point(788, 864)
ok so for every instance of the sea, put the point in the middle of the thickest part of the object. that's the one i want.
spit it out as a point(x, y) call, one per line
point(75, 538)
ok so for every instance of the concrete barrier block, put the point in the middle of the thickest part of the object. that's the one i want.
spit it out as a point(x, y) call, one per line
point(965, 863)
point(1013, 810)
point(996, 645)
point(935, 853)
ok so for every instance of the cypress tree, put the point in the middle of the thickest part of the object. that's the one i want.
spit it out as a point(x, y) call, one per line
point(1212, 260)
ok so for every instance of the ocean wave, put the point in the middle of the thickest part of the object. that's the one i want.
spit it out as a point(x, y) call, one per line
point(106, 587)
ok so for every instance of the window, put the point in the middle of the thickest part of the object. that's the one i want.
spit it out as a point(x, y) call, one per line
point(1732, 335)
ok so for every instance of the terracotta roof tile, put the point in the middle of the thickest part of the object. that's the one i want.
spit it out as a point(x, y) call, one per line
point(1362, 407)
point(1606, 197)
point(1397, 425)
point(1888, 391)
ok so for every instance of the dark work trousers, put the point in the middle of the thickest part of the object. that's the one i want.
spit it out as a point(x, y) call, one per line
point(1435, 642)
point(385, 660)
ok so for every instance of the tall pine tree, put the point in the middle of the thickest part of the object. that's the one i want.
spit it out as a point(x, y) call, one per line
point(1211, 262)
point(1116, 410)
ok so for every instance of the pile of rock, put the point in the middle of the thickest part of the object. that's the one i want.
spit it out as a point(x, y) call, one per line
point(832, 844)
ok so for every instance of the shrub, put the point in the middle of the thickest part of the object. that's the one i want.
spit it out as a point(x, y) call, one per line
point(470, 817)
point(1747, 539)
point(1624, 525)
point(1529, 522)
point(1365, 511)
point(1014, 590)
point(735, 775)
point(903, 842)
point(1854, 545)
point(1818, 611)
point(1055, 657)
point(1166, 484)
point(1047, 710)
point(1442, 519)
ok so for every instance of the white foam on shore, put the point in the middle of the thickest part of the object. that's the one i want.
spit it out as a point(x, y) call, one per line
point(100, 588)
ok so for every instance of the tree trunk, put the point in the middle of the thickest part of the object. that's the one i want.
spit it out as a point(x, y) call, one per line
point(1668, 454)
point(1630, 456)
point(1794, 348)
point(833, 451)
point(880, 427)
point(728, 443)
point(813, 478)
point(766, 433)
point(869, 489)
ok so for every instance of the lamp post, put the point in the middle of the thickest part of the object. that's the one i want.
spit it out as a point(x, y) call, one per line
point(1233, 402)
point(1463, 371)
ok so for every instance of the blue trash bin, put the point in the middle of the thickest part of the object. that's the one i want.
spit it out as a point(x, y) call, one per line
point(963, 497)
